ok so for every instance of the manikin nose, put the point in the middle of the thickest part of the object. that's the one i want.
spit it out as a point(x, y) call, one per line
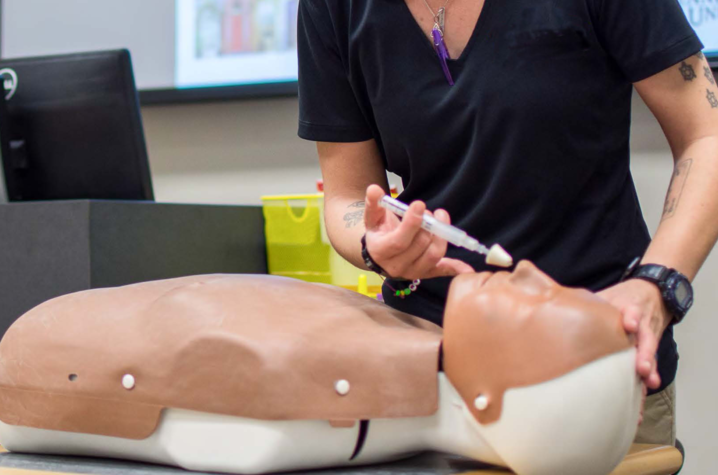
point(530, 279)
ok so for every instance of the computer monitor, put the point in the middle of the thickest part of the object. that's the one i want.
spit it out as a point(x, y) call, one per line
point(4, 144)
point(71, 129)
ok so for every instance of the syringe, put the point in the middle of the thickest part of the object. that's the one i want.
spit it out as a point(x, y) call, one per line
point(495, 256)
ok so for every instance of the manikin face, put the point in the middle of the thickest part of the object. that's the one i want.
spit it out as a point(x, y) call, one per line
point(522, 328)
point(528, 292)
point(543, 369)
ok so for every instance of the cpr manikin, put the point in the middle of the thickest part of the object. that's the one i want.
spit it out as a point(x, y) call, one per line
point(255, 374)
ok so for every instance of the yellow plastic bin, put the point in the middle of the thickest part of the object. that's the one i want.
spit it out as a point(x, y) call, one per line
point(298, 246)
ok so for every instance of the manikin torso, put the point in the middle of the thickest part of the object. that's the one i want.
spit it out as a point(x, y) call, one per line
point(578, 406)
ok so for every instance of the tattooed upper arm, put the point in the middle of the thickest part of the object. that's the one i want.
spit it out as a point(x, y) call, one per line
point(684, 99)
point(687, 71)
point(712, 99)
point(709, 75)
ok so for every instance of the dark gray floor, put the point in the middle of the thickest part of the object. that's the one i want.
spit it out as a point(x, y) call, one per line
point(424, 464)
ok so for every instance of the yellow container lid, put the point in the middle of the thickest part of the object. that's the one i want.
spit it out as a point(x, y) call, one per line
point(292, 197)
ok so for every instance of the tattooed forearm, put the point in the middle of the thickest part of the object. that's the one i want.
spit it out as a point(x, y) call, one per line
point(709, 75)
point(675, 190)
point(687, 71)
point(353, 218)
point(712, 99)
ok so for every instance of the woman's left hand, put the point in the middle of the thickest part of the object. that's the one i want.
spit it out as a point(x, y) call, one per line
point(646, 316)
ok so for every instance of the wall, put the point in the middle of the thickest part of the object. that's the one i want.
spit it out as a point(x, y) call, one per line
point(697, 384)
point(229, 152)
point(236, 152)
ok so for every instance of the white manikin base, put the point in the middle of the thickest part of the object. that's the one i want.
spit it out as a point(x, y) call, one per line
point(582, 421)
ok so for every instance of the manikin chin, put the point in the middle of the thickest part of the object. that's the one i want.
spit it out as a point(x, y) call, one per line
point(256, 374)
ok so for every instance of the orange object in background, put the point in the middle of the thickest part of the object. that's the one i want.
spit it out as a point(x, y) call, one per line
point(236, 26)
point(392, 189)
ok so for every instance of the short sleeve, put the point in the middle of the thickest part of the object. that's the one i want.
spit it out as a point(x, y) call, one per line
point(328, 107)
point(645, 37)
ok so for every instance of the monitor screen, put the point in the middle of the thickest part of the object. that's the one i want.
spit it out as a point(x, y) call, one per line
point(182, 50)
point(187, 50)
point(4, 144)
point(703, 16)
point(71, 129)
point(235, 42)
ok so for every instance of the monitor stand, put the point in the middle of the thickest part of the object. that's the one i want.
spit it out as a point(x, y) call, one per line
point(4, 143)
point(3, 189)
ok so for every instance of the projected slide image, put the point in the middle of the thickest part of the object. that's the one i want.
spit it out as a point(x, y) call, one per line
point(226, 27)
point(703, 16)
point(235, 42)
point(241, 42)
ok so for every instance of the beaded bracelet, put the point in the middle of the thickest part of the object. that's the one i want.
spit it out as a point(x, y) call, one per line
point(405, 292)
point(374, 267)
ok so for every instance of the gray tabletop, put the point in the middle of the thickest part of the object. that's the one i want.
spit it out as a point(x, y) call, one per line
point(423, 464)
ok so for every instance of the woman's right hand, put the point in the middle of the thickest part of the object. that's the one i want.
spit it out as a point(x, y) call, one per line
point(401, 247)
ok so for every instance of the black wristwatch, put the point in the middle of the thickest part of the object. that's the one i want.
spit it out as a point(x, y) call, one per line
point(676, 289)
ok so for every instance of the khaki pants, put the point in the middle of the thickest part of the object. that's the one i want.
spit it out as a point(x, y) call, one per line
point(659, 418)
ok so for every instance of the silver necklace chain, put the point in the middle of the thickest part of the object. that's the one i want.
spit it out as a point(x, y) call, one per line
point(439, 16)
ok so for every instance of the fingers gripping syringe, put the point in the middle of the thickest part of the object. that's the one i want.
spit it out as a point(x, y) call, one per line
point(495, 256)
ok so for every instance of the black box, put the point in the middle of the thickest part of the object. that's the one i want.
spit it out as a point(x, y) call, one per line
point(48, 249)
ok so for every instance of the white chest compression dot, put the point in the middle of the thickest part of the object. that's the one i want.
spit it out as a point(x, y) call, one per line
point(481, 403)
point(128, 381)
point(342, 387)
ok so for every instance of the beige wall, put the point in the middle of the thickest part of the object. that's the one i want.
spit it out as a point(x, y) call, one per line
point(234, 152)
point(229, 152)
point(697, 377)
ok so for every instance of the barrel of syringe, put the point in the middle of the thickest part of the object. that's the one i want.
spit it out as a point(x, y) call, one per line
point(450, 233)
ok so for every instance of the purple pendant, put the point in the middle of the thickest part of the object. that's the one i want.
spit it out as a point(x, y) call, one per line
point(442, 51)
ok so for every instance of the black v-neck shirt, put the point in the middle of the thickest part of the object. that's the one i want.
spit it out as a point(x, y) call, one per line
point(528, 149)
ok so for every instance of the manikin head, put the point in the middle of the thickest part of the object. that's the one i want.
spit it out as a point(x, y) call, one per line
point(551, 371)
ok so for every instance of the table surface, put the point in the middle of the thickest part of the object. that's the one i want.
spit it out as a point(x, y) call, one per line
point(641, 460)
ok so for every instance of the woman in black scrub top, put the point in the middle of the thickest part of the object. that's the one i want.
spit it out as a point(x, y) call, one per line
point(511, 119)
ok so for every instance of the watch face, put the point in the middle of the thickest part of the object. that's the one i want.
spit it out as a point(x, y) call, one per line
point(680, 296)
point(683, 294)
point(675, 288)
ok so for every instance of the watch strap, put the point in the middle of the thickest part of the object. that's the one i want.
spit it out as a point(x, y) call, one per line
point(660, 276)
point(653, 273)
